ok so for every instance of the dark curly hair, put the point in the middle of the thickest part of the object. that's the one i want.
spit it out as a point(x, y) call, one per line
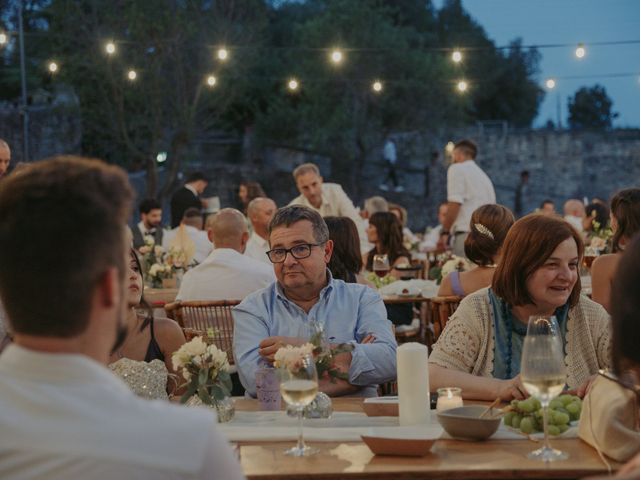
point(389, 231)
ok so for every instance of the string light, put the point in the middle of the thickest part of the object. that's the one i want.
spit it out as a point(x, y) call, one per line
point(110, 48)
point(550, 83)
point(222, 54)
point(581, 51)
point(293, 84)
point(53, 67)
point(132, 75)
point(3, 38)
point(336, 56)
point(462, 86)
point(456, 56)
point(212, 80)
point(377, 86)
point(161, 157)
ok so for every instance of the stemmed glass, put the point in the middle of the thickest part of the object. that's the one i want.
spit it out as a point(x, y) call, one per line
point(299, 386)
point(381, 265)
point(543, 373)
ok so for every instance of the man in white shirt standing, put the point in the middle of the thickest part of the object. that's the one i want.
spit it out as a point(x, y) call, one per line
point(63, 414)
point(468, 188)
point(226, 274)
point(328, 199)
point(260, 212)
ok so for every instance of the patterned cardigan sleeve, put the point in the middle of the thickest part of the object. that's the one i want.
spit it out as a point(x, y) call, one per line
point(460, 343)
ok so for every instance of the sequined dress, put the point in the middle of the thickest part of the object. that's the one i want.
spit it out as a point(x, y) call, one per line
point(146, 379)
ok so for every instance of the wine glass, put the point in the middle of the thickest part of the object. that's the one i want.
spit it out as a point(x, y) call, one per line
point(543, 373)
point(299, 386)
point(381, 264)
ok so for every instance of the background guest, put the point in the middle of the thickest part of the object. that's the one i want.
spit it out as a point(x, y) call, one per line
point(346, 260)
point(260, 212)
point(574, 213)
point(548, 208)
point(625, 223)
point(150, 223)
point(5, 158)
point(595, 212)
point(226, 274)
point(481, 346)
point(189, 237)
point(247, 191)
point(385, 232)
point(408, 238)
point(432, 235)
point(188, 196)
point(488, 229)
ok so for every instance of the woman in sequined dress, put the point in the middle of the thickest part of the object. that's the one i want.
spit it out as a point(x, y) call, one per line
point(149, 340)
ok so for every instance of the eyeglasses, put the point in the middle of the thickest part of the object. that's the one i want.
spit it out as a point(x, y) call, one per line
point(279, 255)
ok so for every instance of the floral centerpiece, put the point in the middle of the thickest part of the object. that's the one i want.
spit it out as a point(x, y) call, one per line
point(205, 369)
point(160, 265)
point(454, 263)
point(598, 239)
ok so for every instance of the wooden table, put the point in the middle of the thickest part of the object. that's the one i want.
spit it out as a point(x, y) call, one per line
point(449, 459)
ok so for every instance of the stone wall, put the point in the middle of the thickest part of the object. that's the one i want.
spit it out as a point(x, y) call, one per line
point(52, 130)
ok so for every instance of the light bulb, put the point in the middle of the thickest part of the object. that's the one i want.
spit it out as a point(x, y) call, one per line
point(132, 75)
point(110, 48)
point(581, 51)
point(212, 80)
point(222, 54)
point(3, 38)
point(53, 67)
point(336, 56)
point(377, 86)
point(462, 86)
point(449, 147)
point(456, 56)
point(550, 83)
point(293, 84)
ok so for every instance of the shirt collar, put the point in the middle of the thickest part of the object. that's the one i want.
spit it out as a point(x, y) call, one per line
point(259, 240)
point(324, 293)
point(56, 367)
point(190, 188)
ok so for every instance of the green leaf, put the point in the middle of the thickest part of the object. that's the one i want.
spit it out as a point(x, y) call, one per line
point(193, 386)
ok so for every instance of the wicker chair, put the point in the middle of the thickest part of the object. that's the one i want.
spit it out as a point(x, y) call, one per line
point(204, 318)
point(441, 308)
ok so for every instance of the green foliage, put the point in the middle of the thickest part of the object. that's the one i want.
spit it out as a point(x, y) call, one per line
point(590, 108)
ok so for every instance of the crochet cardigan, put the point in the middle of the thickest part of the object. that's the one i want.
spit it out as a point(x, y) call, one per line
point(467, 342)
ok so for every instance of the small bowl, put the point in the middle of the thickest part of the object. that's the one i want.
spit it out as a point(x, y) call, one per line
point(404, 447)
point(465, 423)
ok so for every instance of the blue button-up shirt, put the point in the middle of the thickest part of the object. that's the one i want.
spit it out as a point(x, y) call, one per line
point(348, 312)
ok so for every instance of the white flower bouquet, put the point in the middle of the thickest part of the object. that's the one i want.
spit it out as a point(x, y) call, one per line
point(291, 357)
point(205, 369)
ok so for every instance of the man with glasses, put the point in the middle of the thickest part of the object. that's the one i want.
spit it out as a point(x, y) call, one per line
point(305, 293)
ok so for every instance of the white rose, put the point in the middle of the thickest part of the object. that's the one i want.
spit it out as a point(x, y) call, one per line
point(155, 269)
point(149, 240)
point(158, 250)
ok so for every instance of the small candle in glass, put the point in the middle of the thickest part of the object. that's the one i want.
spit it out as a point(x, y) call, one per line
point(449, 397)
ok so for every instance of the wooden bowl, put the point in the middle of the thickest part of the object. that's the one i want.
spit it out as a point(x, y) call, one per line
point(405, 447)
point(465, 423)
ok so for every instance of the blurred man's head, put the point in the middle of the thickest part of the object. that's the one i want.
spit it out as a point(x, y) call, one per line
point(309, 183)
point(228, 229)
point(548, 208)
point(193, 218)
point(150, 213)
point(198, 181)
point(464, 150)
point(574, 207)
point(5, 157)
point(260, 211)
point(374, 205)
point(68, 283)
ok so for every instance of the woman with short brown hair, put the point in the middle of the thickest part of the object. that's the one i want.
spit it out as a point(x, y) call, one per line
point(480, 348)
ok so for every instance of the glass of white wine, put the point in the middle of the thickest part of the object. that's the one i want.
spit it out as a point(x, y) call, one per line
point(543, 373)
point(299, 386)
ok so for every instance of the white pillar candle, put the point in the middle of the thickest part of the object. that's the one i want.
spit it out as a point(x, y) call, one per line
point(413, 384)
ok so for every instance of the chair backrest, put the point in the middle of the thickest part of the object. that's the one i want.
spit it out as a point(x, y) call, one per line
point(441, 309)
point(199, 317)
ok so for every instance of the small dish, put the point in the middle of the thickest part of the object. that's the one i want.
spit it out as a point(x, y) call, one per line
point(405, 447)
point(465, 423)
